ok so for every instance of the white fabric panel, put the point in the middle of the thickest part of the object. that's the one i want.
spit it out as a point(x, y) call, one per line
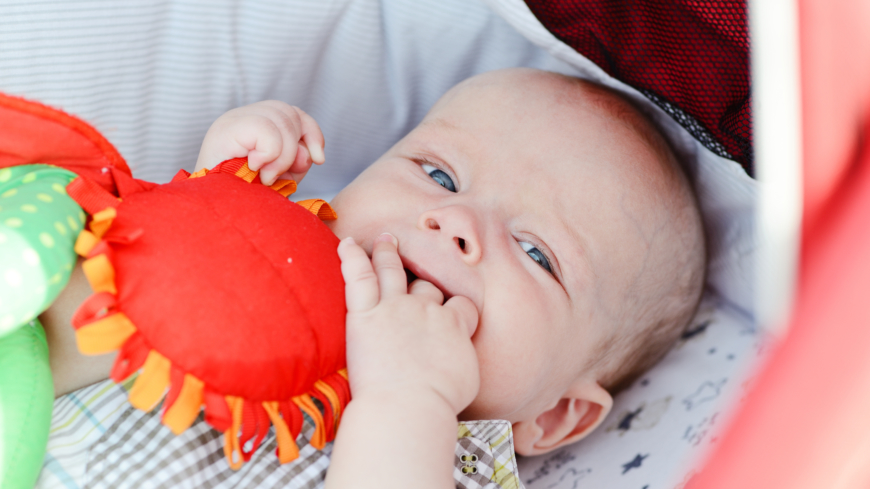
point(153, 75)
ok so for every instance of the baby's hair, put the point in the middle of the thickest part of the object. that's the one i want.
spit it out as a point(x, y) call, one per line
point(659, 304)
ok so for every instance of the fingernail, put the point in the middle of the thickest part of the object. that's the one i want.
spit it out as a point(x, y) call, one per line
point(349, 239)
point(389, 237)
point(316, 152)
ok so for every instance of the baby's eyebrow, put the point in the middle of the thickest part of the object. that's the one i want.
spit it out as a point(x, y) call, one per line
point(576, 260)
point(441, 124)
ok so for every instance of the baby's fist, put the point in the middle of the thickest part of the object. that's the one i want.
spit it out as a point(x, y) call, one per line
point(405, 340)
point(278, 139)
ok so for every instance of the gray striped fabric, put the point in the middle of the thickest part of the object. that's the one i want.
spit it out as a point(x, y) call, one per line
point(153, 75)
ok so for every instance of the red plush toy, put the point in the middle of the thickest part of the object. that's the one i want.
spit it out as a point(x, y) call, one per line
point(222, 291)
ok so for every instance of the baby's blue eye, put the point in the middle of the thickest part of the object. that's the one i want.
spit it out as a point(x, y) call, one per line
point(439, 176)
point(536, 255)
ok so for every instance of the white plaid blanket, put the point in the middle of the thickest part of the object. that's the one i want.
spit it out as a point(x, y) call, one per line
point(98, 440)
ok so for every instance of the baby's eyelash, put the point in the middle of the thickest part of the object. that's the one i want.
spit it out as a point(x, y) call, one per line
point(439, 175)
point(538, 256)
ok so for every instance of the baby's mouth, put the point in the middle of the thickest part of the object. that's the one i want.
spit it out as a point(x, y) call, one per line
point(410, 275)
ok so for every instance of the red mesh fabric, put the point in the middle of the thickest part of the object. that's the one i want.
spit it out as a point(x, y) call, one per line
point(690, 57)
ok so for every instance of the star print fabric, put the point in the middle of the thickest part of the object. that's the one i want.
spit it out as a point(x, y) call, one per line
point(663, 424)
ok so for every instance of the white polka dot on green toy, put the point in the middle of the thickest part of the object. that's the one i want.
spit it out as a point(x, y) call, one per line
point(30, 257)
point(12, 277)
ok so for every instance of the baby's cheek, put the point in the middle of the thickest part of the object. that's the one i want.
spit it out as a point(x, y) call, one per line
point(510, 376)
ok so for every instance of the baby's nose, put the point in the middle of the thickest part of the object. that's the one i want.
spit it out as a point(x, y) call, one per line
point(458, 225)
point(463, 245)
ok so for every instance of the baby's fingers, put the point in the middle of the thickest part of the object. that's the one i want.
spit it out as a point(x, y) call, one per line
point(301, 142)
point(309, 148)
point(422, 288)
point(388, 266)
point(361, 283)
point(465, 312)
point(312, 136)
point(268, 144)
point(240, 135)
point(300, 166)
point(285, 160)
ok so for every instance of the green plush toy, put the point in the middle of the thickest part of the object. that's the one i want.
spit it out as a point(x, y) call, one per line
point(38, 227)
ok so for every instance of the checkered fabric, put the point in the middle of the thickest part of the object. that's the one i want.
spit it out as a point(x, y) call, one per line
point(98, 440)
point(485, 456)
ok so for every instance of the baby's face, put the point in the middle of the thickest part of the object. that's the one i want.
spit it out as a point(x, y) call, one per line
point(523, 201)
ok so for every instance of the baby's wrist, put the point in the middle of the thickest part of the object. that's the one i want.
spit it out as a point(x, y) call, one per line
point(414, 399)
point(376, 422)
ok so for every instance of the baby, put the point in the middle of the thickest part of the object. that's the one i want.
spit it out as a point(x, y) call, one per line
point(527, 251)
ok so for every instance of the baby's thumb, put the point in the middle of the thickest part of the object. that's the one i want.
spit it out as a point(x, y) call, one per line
point(466, 312)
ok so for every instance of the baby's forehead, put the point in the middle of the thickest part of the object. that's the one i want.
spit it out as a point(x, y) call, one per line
point(557, 100)
point(555, 139)
point(518, 88)
point(554, 132)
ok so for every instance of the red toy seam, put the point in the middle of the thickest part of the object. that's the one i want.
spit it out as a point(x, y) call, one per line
point(113, 157)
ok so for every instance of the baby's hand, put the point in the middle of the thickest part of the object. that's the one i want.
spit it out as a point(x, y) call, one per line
point(278, 139)
point(403, 342)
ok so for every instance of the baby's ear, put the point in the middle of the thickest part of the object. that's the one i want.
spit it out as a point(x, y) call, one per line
point(573, 417)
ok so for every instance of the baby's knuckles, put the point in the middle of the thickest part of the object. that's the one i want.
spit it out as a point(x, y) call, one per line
point(263, 131)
